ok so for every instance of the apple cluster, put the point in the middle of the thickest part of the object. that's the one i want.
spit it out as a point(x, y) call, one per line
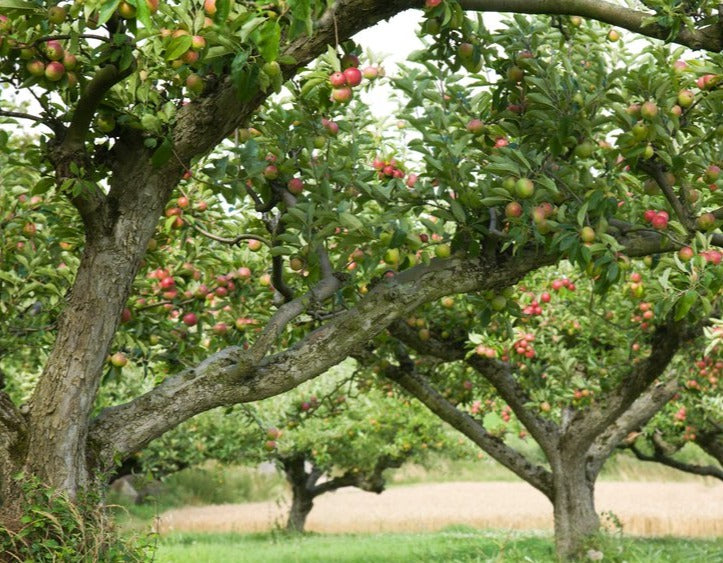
point(389, 168)
point(343, 81)
point(657, 219)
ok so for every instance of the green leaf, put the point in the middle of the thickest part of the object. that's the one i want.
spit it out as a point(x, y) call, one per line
point(267, 39)
point(178, 46)
point(162, 154)
point(457, 211)
point(107, 11)
point(17, 5)
point(685, 303)
point(350, 221)
point(144, 14)
point(281, 250)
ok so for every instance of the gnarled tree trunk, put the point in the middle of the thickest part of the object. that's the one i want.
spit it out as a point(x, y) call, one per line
point(576, 521)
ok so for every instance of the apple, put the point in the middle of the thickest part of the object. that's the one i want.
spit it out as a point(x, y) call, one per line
point(575, 21)
point(220, 329)
point(36, 68)
point(648, 110)
point(411, 180)
point(105, 122)
point(337, 79)
point(349, 60)
point(370, 72)
point(126, 11)
point(679, 65)
point(712, 173)
point(271, 172)
point(190, 319)
point(126, 316)
point(524, 188)
point(465, 50)
point(152, 6)
point(613, 35)
point(686, 254)
point(659, 222)
point(639, 130)
point(296, 263)
point(587, 234)
point(706, 82)
point(443, 251)
point(513, 209)
point(341, 95)
point(254, 245)
point(706, 221)
point(70, 61)
point(270, 445)
point(686, 98)
point(195, 84)
point(431, 4)
point(118, 360)
point(391, 256)
point(475, 126)
point(29, 229)
point(198, 42)
point(448, 302)
point(209, 6)
point(585, 149)
point(515, 74)
point(296, 186)
point(353, 76)
point(54, 71)
point(57, 14)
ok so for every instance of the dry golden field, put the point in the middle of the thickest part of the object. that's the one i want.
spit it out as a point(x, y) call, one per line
point(693, 509)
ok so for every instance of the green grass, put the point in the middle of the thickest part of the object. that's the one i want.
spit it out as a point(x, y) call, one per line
point(450, 545)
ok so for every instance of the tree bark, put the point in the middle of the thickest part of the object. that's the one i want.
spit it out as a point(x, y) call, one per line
point(301, 504)
point(573, 501)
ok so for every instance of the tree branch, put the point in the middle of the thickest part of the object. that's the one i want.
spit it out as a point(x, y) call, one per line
point(419, 387)
point(659, 456)
point(235, 376)
point(708, 38)
point(637, 415)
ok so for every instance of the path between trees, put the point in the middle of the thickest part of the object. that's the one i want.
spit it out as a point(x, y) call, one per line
point(645, 508)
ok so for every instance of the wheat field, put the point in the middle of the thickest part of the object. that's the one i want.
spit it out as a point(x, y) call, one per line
point(686, 509)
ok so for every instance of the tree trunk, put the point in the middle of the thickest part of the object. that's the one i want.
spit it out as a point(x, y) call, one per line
point(574, 508)
point(301, 504)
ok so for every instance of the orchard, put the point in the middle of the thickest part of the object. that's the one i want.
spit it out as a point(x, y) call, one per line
point(197, 192)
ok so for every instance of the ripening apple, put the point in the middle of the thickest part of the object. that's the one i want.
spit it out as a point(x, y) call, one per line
point(254, 245)
point(54, 71)
point(706, 221)
point(36, 68)
point(587, 234)
point(195, 84)
point(209, 6)
point(349, 60)
point(54, 50)
point(198, 43)
point(465, 50)
point(353, 76)
point(648, 110)
point(513, 209)
point(118, 360)
point(712, 173)
point(706, 82)
point(686, 254)
point(370, 72)
point(341, 95)
point(475, 126)
point(295, 186)
point(686, 98)
point(447, 302)
point(524, 188)
point(613, 35)
point(271, 172)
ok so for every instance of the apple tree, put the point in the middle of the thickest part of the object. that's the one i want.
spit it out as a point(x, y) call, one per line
point(541, 152)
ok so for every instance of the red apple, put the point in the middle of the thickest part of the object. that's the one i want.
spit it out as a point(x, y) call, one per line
point(353, 76)
point(337, 79)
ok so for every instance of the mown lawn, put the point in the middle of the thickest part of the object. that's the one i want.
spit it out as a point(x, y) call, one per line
point(451, 545)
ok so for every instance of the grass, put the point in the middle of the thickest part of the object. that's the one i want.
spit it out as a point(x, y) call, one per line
point(454, 544)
